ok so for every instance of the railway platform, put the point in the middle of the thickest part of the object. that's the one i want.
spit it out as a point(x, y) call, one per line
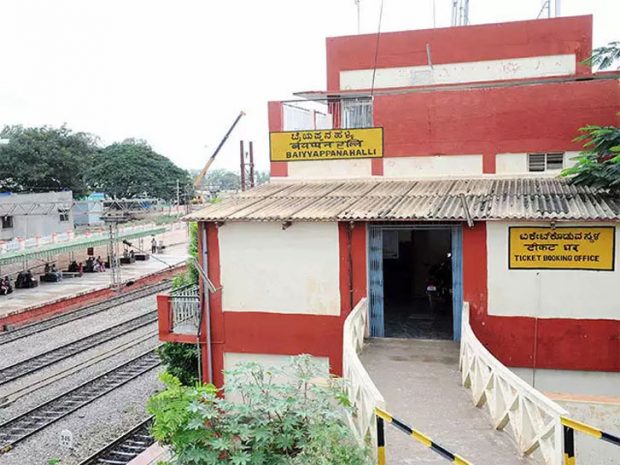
point(49, 298)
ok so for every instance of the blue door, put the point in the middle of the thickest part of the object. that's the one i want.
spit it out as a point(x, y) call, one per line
point(375, 280)
point(375, 275)
point(457, 281)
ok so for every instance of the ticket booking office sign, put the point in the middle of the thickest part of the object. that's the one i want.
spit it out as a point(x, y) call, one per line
point(562, 248)
point(328, 144)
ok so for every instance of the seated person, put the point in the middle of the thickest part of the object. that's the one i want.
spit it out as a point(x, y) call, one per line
point(47, 268)
point(54, 272)
point(5, 286)
point(90, 265)
point(132, 254)
point(25, 280)
point(99, 265)
point(73, 267)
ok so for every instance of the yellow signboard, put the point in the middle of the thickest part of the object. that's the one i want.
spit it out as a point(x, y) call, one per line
point(562, 248)
point(330, 144)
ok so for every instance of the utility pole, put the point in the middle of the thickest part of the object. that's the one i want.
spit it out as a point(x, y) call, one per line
point(246, 166)
point(359, 21)
point(178, 196)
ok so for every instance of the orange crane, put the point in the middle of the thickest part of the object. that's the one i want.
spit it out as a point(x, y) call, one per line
point(201, 176)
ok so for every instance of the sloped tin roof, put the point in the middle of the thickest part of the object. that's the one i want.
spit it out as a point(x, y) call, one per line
point(416, 200)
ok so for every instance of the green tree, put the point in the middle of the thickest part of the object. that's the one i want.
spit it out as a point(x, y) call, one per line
point(132, 169)
point(604, 57)
point(598, 165)
point(44, 159)
point(223, 180)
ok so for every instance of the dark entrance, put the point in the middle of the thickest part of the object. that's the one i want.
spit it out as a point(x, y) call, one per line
point(417, 283)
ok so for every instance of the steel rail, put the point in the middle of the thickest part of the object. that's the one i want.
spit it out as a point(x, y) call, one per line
point(124, 448)
point(25, 425)
point(25, 367)
point(49, 323)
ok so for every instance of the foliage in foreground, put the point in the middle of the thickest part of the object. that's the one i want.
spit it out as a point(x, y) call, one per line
point(269, 417)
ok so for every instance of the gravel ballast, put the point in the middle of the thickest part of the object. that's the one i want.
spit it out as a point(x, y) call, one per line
point(30, 346)
point(93, 426)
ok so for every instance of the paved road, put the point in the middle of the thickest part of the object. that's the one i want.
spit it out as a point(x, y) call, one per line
point(421, 383)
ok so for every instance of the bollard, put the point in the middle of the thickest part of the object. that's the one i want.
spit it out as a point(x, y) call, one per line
point(380, 441)
point(569, 446)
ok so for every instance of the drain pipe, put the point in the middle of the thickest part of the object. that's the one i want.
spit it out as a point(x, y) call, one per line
point(350, 262)
point(208, 288)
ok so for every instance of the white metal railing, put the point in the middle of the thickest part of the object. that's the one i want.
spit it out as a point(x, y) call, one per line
point(185, 310)
point(58, 238)
point(532, 419)
point(362, 392)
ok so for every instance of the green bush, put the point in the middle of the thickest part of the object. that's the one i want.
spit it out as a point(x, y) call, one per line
point(181, 361)
point(286, 416)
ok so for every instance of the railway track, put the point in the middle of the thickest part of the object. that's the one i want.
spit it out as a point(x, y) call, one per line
point(23, 426)
point(125, 448)
point(37, 362)
point(44, 325)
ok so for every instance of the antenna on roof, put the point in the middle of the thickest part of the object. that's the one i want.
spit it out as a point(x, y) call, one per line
point(460, 12)
point(359, 23)
point(551, 12)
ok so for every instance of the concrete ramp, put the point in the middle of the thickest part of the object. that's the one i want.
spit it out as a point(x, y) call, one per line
point(421, 383)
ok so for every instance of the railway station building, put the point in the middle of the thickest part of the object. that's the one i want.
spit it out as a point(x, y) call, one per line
point(424, 176)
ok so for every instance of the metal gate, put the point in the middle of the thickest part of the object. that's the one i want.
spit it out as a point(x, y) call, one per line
point(375, 280)
point(375, 274)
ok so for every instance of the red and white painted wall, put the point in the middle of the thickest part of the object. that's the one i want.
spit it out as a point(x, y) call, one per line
point(481, 107)
point(284, 291)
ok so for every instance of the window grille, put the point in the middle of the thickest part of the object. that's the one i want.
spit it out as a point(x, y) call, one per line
point(7, 222)
point(357, 113)
point(64, 215)
point(541, 162)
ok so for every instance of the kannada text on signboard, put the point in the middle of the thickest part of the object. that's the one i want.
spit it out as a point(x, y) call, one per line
point(330, 144)
point(562, 248)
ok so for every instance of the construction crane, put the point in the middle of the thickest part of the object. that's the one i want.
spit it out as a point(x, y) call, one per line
point(200, 178)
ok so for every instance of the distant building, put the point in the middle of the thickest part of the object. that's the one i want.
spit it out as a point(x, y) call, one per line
point(30, 215)
point(88, 212)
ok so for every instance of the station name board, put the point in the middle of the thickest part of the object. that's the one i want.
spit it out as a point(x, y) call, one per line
point(329, 144)
point(562, 248)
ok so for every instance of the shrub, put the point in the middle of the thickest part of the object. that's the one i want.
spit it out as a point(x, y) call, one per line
point(181, 361)
point(269, 417)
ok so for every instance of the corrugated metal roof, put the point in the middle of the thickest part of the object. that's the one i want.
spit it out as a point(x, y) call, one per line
point(432, 200)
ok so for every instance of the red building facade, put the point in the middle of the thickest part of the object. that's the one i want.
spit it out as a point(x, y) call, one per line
point(477, 123)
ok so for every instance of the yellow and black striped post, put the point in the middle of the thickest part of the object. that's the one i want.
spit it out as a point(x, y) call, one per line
point(569, 446)
point(590, 430)
point(380, 441)
point(418, 436)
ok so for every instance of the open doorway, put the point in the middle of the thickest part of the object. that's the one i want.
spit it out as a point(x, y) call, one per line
point(415, 282)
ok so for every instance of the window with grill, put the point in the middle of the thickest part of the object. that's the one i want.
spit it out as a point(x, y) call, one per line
point(357, 113)
point(7, 222)
point(540, 162)
point(64, 215)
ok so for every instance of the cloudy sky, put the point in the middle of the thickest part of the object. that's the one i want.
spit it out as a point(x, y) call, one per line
point(176, 73)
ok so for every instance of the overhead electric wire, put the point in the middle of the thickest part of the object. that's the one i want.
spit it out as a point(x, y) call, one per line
point(374, 69)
